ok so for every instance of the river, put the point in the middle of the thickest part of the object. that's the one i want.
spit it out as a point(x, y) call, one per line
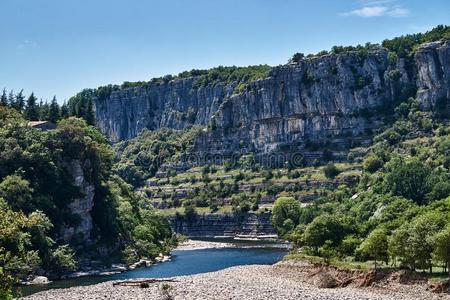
point(185, 262)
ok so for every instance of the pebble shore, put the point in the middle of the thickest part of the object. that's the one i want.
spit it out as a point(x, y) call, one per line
point(242, 282)
point(198, 245)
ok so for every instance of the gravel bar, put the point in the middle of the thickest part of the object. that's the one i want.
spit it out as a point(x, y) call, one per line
point(241, 282)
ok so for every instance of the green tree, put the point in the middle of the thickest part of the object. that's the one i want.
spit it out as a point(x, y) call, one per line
point(4, 98)
point(375, 246)
point(331, 171)
point(64, 110)
point(19, 102)
point(399, 248)
point(63, 260)
point(44, 110)
point(32, 110)
point(17, 193)
point(328, 251)
point(297, 57)
point(16, 257)
point(54, 111)
point(11, 98)
point(324, 228)
point(439, 191)
point(90, 116)
point(372, 163)
point(285, 214)
point(442, 247)
point(420, 238)
point(410, 180)
point(413, 242)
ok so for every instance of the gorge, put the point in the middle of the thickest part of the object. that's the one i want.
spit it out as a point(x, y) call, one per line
point(308, 111)
point(343, 154)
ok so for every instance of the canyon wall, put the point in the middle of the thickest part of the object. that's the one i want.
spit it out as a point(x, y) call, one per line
point(224, 225)
point(330, 96)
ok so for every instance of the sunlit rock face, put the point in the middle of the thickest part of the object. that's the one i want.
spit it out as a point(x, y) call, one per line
point(330, 96)
point(225, 225)
point(82, 206)
point(433, 72)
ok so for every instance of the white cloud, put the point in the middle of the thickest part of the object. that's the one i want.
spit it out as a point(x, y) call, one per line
point(367, 12)
point(26, 44)
point(398, 12)
point(377, 8)
point(374, 2)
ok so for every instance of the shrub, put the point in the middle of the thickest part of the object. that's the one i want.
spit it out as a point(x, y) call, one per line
point(331, 171)
point(285, 214)
point(372, 163)
point(375, 246)
point(410, 180)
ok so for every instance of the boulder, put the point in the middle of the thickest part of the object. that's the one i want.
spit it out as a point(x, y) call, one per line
point(40, 280)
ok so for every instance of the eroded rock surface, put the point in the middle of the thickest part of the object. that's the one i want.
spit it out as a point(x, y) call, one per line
point(330, 96)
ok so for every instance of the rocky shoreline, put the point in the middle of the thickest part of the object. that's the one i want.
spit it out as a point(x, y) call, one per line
point(284, 280)
point(119, 268)
point(198, 245)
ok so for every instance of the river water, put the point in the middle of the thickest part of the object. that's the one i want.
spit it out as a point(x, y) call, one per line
point(186, 262)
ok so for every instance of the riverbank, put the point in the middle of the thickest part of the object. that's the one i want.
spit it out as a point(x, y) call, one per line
point(199, 245)
point(284, 280)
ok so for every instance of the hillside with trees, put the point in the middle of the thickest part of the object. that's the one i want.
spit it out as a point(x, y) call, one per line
point(397, 215)
point(374, 191)
point(36, 193)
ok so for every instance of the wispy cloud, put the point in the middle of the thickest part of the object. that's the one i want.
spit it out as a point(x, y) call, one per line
point(377, 8)
point(374, 2)
point(26, 44)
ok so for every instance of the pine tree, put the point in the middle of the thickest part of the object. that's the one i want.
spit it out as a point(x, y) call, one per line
point(44, 111)
point(41, 105)
point(4, 99)
point(19, 102)
point(64, 110)
point(32, 110)
point(90, 118)
point(54, 111)
point(80, 109)
point(11, 98)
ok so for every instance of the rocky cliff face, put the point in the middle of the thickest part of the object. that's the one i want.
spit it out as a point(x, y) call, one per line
point(324, 97)
point(81, 206)
point(228, 225)
point(433, 69)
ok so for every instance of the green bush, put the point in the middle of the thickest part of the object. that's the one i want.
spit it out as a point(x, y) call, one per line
point(285, 214)
point(331, 171)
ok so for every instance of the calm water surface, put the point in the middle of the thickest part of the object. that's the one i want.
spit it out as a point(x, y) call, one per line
point(183, 263)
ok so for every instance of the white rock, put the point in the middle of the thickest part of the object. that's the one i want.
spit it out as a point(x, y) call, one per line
point(40, 280)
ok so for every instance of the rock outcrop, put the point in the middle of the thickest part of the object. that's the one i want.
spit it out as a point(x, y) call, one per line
point(82, 206)
point(330, 96)
point(224, 225)
point(433, 69)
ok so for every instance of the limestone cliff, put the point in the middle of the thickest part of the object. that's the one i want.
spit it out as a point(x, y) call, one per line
point(329, 96)
point(82, 206)
point(433, 69)
point(225, 225)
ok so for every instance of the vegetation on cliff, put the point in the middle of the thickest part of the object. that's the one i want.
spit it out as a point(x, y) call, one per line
point(141, 157)
point(403, 46)
point(399, 211)
point(37, 188)
point(81, 104)
point(389, 203)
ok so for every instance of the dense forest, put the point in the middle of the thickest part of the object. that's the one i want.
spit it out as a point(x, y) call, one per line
point(399, 212)
point(36, 190)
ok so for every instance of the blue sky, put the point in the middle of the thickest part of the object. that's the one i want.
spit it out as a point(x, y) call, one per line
point(58, 47)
